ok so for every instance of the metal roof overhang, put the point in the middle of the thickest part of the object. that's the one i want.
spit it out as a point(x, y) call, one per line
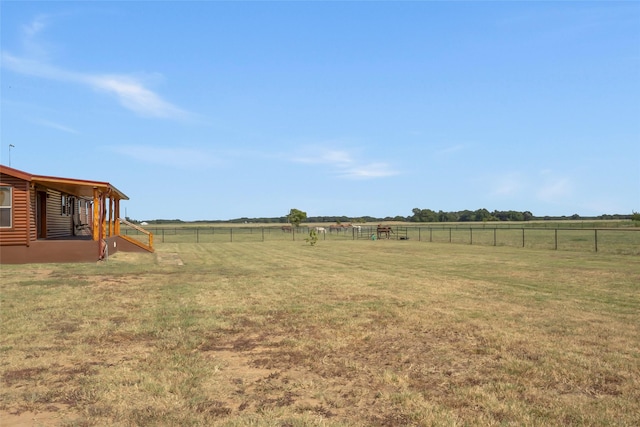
point(78, 187)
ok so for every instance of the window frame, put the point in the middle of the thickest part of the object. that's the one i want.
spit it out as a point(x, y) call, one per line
point(9, 207)
point(64, 204)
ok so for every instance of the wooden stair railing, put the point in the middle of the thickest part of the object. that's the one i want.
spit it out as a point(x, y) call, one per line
point(148, 245)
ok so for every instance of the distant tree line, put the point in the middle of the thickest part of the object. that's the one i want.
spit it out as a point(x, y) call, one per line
point(428, 215)
point(164, 221)
point(314, 219)
point(419, 215)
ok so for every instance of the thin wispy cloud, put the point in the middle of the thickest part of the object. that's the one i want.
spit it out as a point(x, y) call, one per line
point(56, 126)
point(29, 37)
point(553, 188)
point(556, 190)
point(545, 186)
point(134, 96)
point(131, 92)
point(344, 163)
point(178, 157)
point(506, 184)
point(31, 29)
point(368, 171)
point(324, 156)
point(450, 149)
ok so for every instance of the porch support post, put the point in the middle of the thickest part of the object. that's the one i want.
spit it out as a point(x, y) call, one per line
point(117, 217)
point(103, 216)
point(96, 214)
point(111, 212)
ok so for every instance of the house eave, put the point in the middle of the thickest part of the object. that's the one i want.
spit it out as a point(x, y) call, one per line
point(76, 187)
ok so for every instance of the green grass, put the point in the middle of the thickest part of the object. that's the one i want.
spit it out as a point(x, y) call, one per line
point(615, 237)
point(362, 333)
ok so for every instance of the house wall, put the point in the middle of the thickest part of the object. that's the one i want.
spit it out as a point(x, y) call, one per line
point(17, 234)
point(59, 224)
point(24, 223)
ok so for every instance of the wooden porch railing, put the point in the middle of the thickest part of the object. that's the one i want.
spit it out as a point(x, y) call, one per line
point(138, 235)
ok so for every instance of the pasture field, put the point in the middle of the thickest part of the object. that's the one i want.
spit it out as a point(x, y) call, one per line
point(615, 237)
point(344, 333)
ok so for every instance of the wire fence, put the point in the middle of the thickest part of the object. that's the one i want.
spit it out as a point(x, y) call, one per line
point(607, 240)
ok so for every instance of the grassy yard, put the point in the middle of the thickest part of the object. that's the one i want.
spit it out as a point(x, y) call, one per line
point(612, 238)
point(346, 333)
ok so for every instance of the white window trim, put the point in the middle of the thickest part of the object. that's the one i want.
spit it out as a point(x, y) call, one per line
point(10, 207)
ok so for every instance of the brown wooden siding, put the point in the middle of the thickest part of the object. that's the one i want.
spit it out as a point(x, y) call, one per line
point(17, 234)
point(58, 224)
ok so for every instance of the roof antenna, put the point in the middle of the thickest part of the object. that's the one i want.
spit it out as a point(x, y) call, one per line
point(10, 147)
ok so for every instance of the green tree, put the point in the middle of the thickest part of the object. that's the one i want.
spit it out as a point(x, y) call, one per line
point(417, 215)
point(481, 215)
point(466, 215)
point(296, 216)
point(429, 216)
point(423, 215)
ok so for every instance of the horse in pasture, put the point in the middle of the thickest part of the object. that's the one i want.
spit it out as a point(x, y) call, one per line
point(335, 227)
point(320, 230)
point(384, 230)
point(339, 227)
point(287, 229)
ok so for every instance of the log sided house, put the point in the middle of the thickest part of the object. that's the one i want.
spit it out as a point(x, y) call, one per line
point(49, 219)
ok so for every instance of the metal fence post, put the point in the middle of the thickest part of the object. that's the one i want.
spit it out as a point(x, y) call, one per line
point(523, 237)
point(596, 238)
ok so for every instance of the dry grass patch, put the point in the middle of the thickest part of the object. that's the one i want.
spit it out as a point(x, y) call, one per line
point(344, 333)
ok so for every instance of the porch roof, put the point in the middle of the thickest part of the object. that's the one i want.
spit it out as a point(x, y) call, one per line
point(75, 187)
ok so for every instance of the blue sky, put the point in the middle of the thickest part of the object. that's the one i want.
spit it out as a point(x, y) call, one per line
point(220, 110)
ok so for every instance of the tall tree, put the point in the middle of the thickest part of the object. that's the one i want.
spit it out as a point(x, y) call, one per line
point(296, 216)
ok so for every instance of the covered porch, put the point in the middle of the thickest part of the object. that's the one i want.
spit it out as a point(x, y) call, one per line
point(103, 220)
point(53, 219)
point(89, 205)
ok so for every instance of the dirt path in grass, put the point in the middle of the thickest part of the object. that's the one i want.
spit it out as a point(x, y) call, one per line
point(52, 417)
